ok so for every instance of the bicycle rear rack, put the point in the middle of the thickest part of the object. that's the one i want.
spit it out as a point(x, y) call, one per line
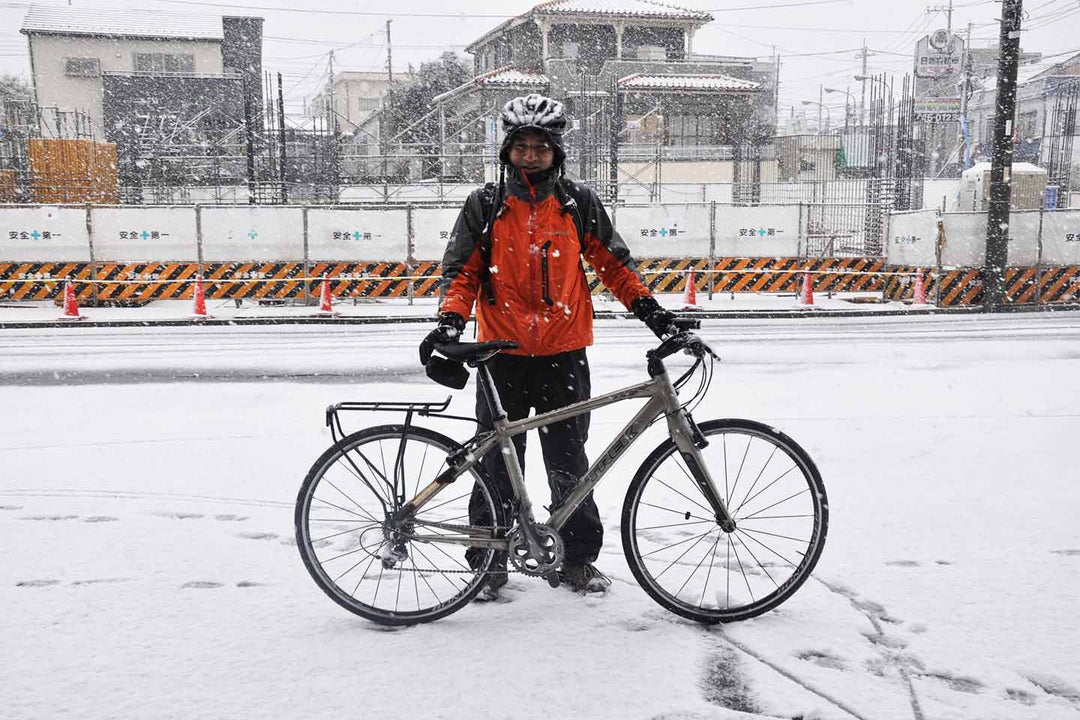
point(423, 409)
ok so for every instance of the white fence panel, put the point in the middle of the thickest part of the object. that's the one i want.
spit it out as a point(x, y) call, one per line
point(913, 238)
point(145, 234)
point(252, 234)
point(431, 231)
point(1061, 238)
point(44, 234)
point(357, 234)
point(757, 231)
point(965, 239)
point(664, 231)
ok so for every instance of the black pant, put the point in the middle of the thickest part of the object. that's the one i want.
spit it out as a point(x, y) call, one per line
point(545, 383)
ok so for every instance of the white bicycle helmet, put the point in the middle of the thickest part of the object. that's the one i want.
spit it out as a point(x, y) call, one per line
point(538, 113)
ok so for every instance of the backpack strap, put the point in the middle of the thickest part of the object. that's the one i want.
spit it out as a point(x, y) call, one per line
point(491, 201)
point(567, 193)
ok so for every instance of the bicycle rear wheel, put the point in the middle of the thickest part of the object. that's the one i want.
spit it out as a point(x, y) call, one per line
point(344, 533)
point(684, 560)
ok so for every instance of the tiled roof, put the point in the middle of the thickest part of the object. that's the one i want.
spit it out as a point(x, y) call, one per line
point(632, 9)
point(66, 20)
point(621, 8)
point(506, 77)
point(686, 83)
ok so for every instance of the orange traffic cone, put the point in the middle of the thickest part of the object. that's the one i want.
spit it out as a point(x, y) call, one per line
point(689, 297)
point(326, 302)
point(200, 299)
point(920, 290)
point(71, 305)
point(807, 295)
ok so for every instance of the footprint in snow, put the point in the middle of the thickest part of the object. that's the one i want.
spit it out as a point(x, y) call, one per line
point(258, 536)
point(201, 585)
point(887, 641)
point(958, 683)
point(249, 584)
point(231, 518)
point(11, 507)
point(1020, 696)
point(179, 515)
point(903, 563)
point(36, 583)
point(823, 658)
point(943, 562)
point(1071, 552)
point(100, 581)
point(100, 519)
point(51, 517)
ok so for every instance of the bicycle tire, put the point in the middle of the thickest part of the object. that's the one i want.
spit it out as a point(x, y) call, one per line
point(321, 489)
point(648, 493)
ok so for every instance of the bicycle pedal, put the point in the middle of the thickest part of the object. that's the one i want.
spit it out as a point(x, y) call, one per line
point(553, 579)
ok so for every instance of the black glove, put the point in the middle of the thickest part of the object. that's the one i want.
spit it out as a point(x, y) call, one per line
point(451, 325)
point(659, 320)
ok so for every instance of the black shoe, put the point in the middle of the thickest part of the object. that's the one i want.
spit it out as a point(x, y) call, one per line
point(496, 579)
point(584, 578)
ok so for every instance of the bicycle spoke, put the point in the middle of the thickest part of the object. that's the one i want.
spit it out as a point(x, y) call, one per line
point(696, 568)
point(684, 552)
point(708, 575)
point(679, 493)
point(723, 441)
point(371, 560)
point(362, 548)
point(682, 524)
point(355, 471)
point(745, 502)
point(446, 576)
point(671, 510)
point(755, 516)
point(346, 496)
point(771, 534)
point(758, 478)
point(668, 547)
point(343, 532)
point(779, 502)
point(742, 569)
point(435, 507)
point(759, 563)
point(338, 507)
point(741, 465)
point(774, 552)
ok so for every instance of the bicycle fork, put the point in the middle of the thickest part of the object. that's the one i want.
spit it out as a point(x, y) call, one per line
point(689, 441)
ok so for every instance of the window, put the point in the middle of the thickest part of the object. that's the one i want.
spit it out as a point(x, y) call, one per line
point(1026, 125)
point(164, 63)
point(82, 67)
point(368, 103)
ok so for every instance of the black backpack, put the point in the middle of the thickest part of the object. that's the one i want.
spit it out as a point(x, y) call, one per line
point(567, 192)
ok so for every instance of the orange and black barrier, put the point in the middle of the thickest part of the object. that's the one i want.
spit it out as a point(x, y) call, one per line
point(959, 287)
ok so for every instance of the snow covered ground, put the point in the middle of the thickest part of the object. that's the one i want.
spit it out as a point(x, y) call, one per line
point(148, 479)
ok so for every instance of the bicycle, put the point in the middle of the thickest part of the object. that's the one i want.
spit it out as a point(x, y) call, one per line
point(732, 505)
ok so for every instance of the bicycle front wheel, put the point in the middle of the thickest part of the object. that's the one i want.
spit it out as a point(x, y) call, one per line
point(375, 567)
point(682, 557)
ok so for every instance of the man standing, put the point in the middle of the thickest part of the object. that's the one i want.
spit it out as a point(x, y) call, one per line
point(516, 253)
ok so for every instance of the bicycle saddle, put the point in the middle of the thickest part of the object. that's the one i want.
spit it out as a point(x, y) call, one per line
point(475, 353)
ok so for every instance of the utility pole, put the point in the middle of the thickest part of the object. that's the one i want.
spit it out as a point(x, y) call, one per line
point(997, 220)
point(862, 100)
point(333, 105)
point(947, 9)
point(965, 97)
point(281, 140)
point(386, 125)
point(820, 106)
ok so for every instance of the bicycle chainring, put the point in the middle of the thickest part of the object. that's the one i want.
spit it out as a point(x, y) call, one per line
point(522, 557)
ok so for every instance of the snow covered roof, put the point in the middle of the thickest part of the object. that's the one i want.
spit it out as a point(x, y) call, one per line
point(66, 20)
point(1034, 71)
point(621, 8)
point(504, 77)
point(1018, 168)
point(614, 9)
point(685, 83)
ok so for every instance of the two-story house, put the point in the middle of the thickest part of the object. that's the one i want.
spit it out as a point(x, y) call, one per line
point(156, 84)
point(630, 63)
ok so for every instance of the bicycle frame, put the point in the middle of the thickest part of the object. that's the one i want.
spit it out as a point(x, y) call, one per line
point(662, 400)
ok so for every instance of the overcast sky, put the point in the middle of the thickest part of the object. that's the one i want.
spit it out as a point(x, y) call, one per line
point(298, 42)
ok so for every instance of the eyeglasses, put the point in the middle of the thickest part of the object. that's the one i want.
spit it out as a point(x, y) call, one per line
point(537, 148)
